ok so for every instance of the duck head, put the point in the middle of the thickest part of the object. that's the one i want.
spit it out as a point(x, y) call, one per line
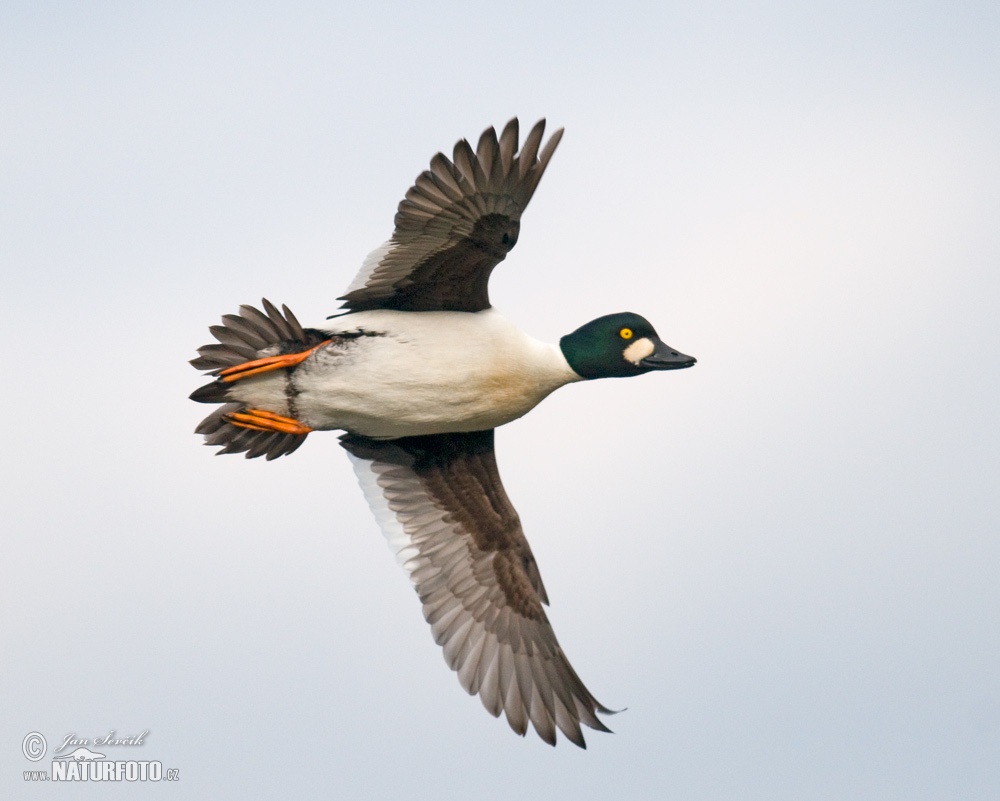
point(619, 345)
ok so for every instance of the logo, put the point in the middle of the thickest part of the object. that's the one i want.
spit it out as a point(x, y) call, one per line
point(82, 754)
point(34, 746)
point(83, 764)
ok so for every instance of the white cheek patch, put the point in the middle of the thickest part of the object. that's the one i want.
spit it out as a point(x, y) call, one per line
point(639, 350)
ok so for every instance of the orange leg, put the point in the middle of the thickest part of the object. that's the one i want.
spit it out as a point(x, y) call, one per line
point(258, 366)
point(260, 420)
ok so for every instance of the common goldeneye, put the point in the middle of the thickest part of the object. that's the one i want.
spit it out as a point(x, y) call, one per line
point(418, 370)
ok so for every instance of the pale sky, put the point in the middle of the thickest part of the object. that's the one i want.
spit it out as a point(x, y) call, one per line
point(783, 562)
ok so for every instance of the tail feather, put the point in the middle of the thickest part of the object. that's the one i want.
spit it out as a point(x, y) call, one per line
point(216, 392)
point(218, 357)
point(231, 340)
point(219, 431)
point(283, 324)
point(251, 334)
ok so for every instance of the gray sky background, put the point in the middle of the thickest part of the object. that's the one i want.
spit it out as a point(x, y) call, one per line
point(784, 562)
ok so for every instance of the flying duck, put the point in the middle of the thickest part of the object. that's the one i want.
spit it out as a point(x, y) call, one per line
point(418, 370)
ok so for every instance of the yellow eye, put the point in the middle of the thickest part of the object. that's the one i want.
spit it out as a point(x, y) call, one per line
point(625, 333)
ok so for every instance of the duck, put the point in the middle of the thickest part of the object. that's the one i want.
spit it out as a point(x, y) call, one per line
point(418, 370)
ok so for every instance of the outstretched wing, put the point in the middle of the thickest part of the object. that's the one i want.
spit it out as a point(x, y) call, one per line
point(442, 507)
point(456, 223)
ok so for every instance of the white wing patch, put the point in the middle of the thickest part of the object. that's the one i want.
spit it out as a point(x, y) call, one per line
point(369, 265)
point(399, 541)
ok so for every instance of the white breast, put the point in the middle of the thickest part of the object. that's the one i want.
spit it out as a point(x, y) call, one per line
point(426, 373)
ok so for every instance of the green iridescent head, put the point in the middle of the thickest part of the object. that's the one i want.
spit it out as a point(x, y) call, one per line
point(619, 345)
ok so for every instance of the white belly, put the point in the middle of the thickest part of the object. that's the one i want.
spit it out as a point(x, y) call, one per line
point(426, 373)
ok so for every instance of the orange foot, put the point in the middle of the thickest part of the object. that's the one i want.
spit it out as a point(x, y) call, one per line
point(259, 420)
point(267, 364)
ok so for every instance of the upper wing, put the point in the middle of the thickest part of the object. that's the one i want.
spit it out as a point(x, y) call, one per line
point(442, 507)
point(456, 223)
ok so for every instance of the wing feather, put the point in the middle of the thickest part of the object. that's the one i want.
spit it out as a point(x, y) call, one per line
point(454, 225)
point(440, 503)
point(530, 150)
point(508, 146)
point(489, 682)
